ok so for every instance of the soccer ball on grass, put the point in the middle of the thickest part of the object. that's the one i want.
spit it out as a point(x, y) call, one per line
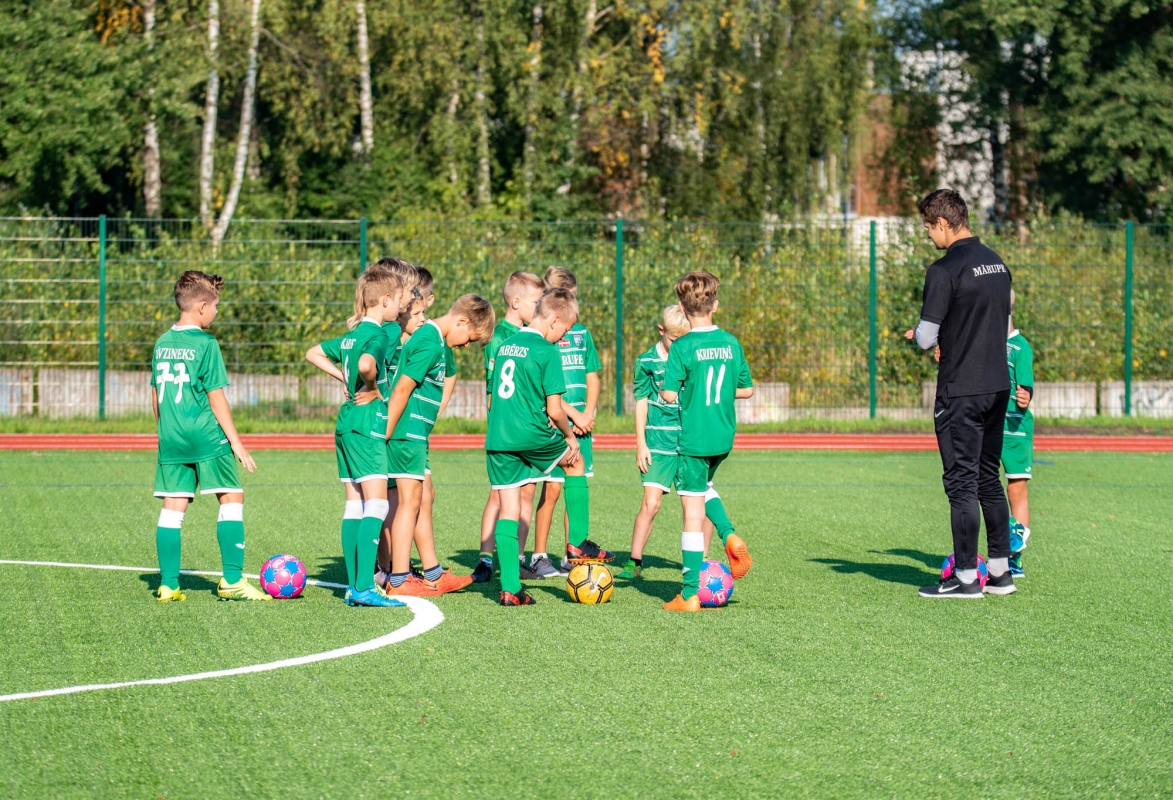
point(716, 584)
point(590, 583)
point(283, 577)
point(983, 572)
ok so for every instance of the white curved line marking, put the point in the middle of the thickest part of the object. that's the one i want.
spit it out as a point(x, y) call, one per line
point(425, 616)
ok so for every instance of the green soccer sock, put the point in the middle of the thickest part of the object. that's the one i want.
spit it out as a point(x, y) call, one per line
point(506, 533)
point(167, 544)
point(578, 508)
point(351, 520)
point(230, 535)
point(369, 530)
point(692, 545)
point(715, 511)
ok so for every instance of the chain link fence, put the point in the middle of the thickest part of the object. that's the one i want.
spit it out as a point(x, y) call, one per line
point(820, 308)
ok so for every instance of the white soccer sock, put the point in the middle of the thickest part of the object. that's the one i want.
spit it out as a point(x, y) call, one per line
point(170, 518)
point(231, 512)
point(967, 575)
point(353, 510)
point(375, 508)
point(534, 558)
point(998, 567)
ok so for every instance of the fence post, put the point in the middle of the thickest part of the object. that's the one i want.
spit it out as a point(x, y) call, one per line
point(619, 317)
point(362, 245)
point(102, 317)
point(872, 321)
point(1128, 318)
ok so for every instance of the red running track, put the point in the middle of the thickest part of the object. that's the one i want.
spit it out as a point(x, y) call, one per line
point(606, 441)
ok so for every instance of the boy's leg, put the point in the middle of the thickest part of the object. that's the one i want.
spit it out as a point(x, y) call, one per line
point(1019, 504)
point(230, 535)
point(403, 529)
point(425, 534)
point(544, 517)
point(526, 517)
point(374, 511)
point(484, 568)
point(692, 544)
point(351, 520)
point(644, 519)
point(505, 535)
point(168, 540)
point(383, 560)
point(715, 512)
point(579, 547)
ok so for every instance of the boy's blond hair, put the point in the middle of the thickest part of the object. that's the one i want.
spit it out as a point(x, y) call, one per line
point(557, 301)
point(372, 284)
point(697, 291)
point(195, 287)
point(408, 273)
point(674, 321)
point(517, 283)
point(561, 278)
point(479, 313)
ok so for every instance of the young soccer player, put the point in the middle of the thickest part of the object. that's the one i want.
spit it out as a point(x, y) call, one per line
point(706, 372)
point(521, 293)
point(527, 397)
point(198, 442)
point(411, 414)
point(360, 432)
point(1018, 439)
point(657, 436)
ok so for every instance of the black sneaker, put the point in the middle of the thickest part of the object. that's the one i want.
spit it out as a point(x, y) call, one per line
point(1003, 584)
point(588, 553)
point(519, 599)
point(525, 572)
point(953, 587)
point(483, 572)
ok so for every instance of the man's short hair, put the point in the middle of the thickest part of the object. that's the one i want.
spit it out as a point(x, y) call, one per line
point(946, 204)
point(479, 313)
point(557, 301)
point(561, 278)
point(697, 291)
point(194, 287)
point(518, 283)
point(424, 281)
point(674, 321)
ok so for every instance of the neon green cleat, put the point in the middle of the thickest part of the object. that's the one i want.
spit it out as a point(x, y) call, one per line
point(630, 571)
point(241, 590)
point(166, 595)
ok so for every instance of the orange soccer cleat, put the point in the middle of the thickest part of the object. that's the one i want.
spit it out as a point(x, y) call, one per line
point(446, 583)
point(678, 603)
point(739, 560)
point(412, 587)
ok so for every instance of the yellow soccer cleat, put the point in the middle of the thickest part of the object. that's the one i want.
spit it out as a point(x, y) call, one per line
point(166, 595)
point(241, 590)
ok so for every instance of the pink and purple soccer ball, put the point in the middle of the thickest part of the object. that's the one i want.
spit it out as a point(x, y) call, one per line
point(283, 577)
point(716, 584)
point(949, 563)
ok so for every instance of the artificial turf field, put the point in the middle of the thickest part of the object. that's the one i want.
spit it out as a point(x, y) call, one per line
point(825, 676)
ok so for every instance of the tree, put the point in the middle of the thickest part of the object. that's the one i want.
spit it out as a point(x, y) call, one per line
point(211, 100)
point(246, 121)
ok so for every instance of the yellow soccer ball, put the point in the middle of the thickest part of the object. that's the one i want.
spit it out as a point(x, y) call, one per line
point(590, 583)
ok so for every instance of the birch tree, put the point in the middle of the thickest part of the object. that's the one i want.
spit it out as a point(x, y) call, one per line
point(211, 99)
point(364, 81)
point(152, 184)
point(242, 137)
point(534, 68)
point(484, 186)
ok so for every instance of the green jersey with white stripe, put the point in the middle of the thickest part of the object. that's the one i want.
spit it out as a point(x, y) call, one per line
point(579, 357)
point(504, 330)
point(706, 366)
point(186, 364)
point(1021, 361)
point(528, 370)
point(662, 431)
point(423, 360)
point(367, 338)
point(394, 334)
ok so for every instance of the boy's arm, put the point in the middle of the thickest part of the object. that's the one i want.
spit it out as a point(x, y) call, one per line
point(316, 356)
point(400, 397)
point(1024, 370)
point(744, 379)
point(449, 388)
point(557, 415)
point(592, 400)
point(674, 376)
point(155, 403)
point(219, 405)
point(643, 456)
point(578, 420)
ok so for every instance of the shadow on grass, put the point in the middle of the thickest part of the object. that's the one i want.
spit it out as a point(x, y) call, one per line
point(332, 571)
point(892, 573)
point(930, 560)
point(188, 583)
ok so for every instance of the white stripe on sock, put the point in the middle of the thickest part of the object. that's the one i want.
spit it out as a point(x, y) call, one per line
point(353, 510)
point(231, 512)
point(693, 541)
point(170, 518)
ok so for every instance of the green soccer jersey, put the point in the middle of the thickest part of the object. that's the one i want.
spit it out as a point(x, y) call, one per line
point(449, 362)
point(423, 360)
point(528, 370)
point(707, 367)
point(185, 365)
point(1021, 360)
point(394, 334)
point(504, 330)
point(367, 338)
point(662, 431)
point(578, 358)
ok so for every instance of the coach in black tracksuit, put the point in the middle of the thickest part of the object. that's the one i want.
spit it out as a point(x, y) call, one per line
point(966, 313)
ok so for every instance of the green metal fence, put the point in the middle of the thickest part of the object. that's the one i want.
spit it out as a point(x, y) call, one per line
point(821, 309)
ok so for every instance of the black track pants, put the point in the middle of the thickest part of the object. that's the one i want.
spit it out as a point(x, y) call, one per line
point(969, 435)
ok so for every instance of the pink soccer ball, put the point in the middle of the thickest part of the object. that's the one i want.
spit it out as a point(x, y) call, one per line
point(983, 570)
point(716, 584)
point(283, 577)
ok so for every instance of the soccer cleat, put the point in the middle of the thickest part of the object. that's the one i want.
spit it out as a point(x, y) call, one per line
point(544, 568)
point(631, 570)
point(1003, 584)
point(373, 598)
point(167, 595)
point(416, 571)
point(739, 560)
point(678, 603)
point(588, 553)
point(483, 572)
point(952, 587)
point(525, 572)
point(519, 599)
point(446, 583)
point(1015, 562)
point(241, 590)
point(411, 587)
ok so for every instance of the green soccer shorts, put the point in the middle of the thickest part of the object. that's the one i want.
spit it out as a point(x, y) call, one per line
point(361, 457)
point(661, 472)
point(695, 473)
point(510, 470)
point(406, 458)
point(586, 448)
point(1018, 446)
point(218, 476)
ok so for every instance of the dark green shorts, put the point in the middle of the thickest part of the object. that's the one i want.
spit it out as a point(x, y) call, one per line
point(361, 457)
point(510, 470)
point(407, 458)
point(695, 473)
point(218, 476)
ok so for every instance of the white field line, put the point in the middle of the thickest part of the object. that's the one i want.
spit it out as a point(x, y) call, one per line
point(425, 616)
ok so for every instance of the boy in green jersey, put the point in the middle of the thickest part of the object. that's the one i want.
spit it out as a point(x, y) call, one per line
point(198, 442)
point(528, 384)
point(706, 372)
point(359, 360)
point(411, 414)
point(1018, 440)
point(521, 293)
point(657, 440)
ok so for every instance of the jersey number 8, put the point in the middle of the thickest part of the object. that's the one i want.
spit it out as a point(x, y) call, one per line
point(507, 387)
